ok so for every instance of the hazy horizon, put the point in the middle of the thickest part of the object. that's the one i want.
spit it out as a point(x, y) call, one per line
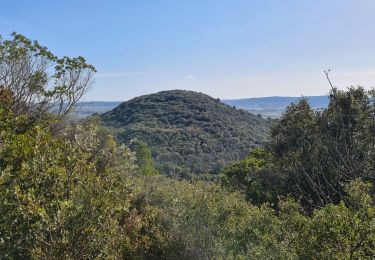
point(240, 98)
point(226, 49)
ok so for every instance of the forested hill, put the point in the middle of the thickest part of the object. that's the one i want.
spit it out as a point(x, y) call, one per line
point(188, 132)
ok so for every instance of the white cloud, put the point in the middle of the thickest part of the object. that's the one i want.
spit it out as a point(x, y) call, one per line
point(190, 77)
point(118, 74)
point(357, 73)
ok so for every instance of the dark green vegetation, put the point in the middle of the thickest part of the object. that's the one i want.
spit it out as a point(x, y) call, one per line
point(187, 132)
point(312, 154)
point(68, 190)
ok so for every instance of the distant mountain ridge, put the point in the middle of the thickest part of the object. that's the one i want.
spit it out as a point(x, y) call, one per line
point(265, 106)
point(85, 109)
point(274, 106)
point(188, 132)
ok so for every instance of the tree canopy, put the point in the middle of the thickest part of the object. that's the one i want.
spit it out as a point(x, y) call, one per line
point(313, 154)
point(38, 80)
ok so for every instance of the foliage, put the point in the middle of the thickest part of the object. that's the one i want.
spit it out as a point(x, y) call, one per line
point(319, 152)
point(313, 154)
point(342, 231)
point(61, 196)
point(198, 220)
point(250, 177)
point(145, 162)
point(188, 132)
point(38, 80)
point(62, 189)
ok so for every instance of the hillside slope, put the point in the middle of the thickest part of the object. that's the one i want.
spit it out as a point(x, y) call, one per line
point(188, 132)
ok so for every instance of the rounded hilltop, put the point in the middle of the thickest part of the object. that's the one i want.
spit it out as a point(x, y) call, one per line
point(187, 131)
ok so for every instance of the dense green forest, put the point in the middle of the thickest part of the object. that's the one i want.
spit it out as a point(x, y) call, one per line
point(187, 132)
point(68, 190)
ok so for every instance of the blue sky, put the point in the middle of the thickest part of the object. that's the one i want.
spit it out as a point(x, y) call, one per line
point(225, 48)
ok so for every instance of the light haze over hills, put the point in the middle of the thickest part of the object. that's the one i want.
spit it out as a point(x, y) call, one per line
point(227, 49)
point(265, 106)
